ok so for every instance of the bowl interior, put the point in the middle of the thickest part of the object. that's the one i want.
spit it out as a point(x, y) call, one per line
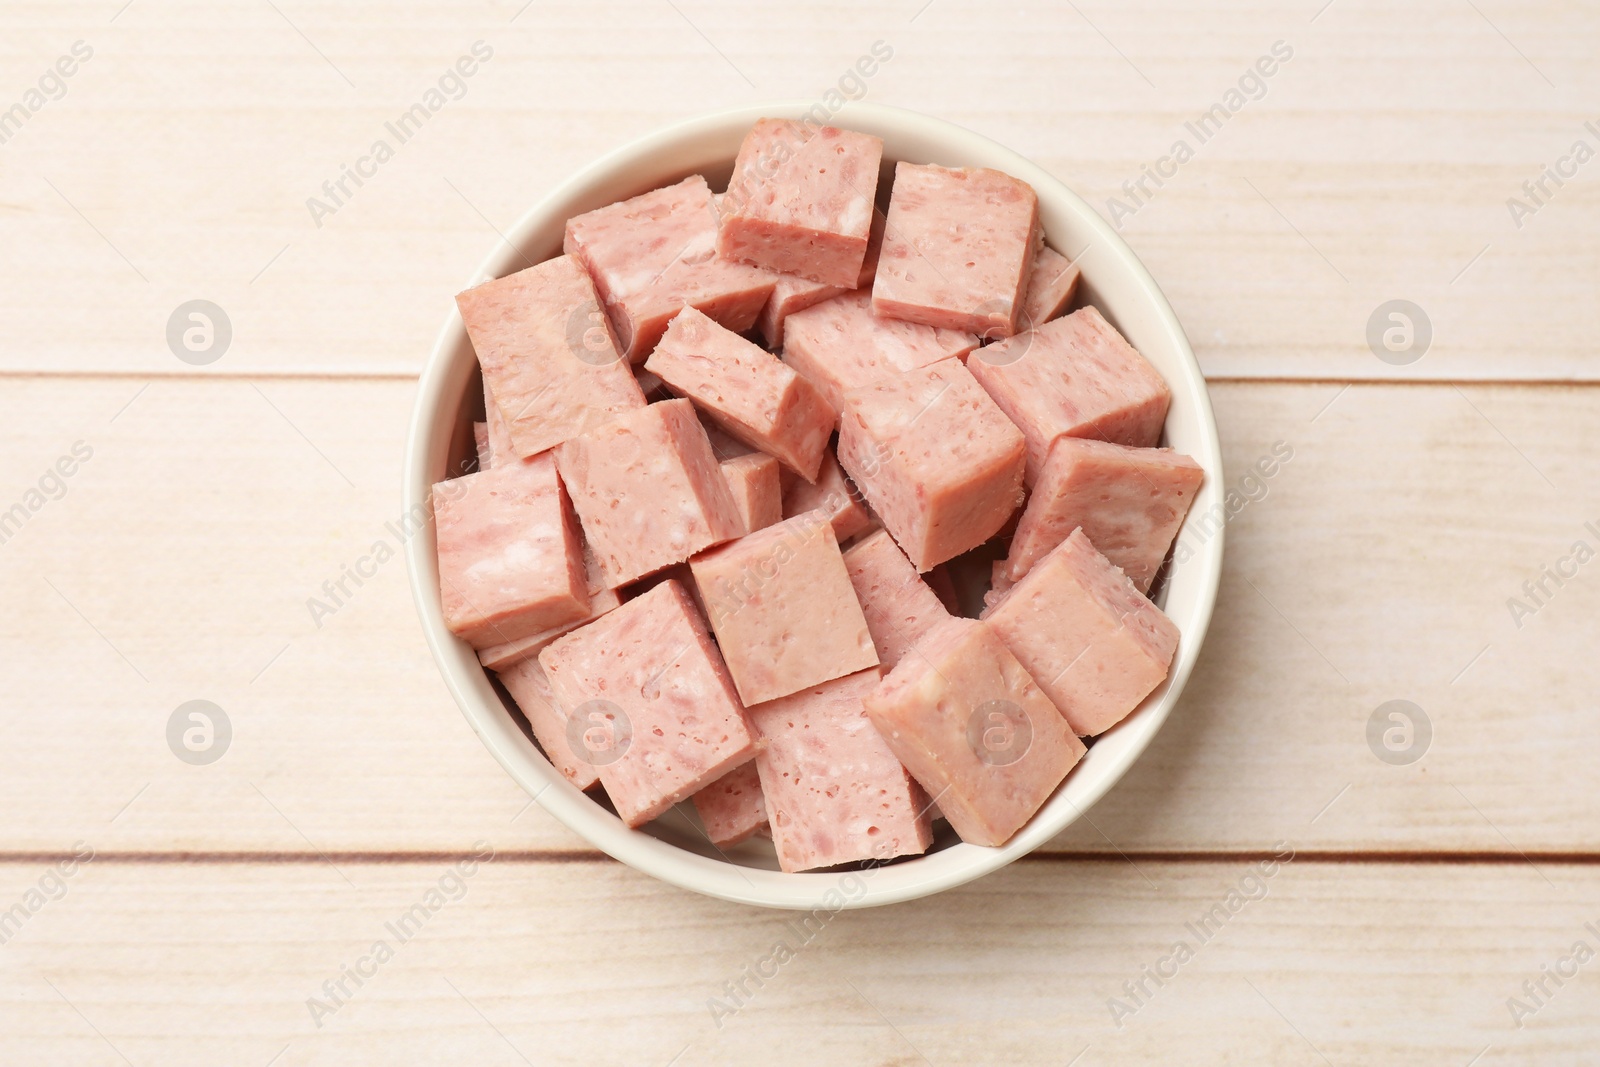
point(673, 848)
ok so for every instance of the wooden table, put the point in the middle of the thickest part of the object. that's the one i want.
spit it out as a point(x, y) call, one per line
point(1383, 562)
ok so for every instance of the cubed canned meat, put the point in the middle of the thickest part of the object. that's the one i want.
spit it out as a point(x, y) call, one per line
point(757, 489)
point(746, 390)
point(1074, 377)
point(551, 370)
point(791, 293)
point(1095, 645)
point(835, 791)
point(1051, 286)
point(958, 249)
point(656, 254)
point(801, 200)
point(732, 808)
point(501, 448)
point(783, 609)
point(526, 683)
point(648, 491)
point(939, 463)
point(601, 600)
point(1128, 501)
point(510, 557)
point(649, 703)
point(974, 729)
point(840, 344)
point(899, 606)
point(834, 495)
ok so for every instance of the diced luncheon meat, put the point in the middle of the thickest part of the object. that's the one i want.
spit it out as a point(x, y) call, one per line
point(693, 590)
point(649, 702)
point(1128, 501)
point(899, 606)
point(757, 489)
point(1094, 644)
point(648, 491)
point(792, 293)
point(548, 360)
point(783, 609)
point(958, 249)
point(940, 464)
point(835, 792)
point(654, 255)
point(601, 600)
point(528, 686)
point(974, 729)
point(840, 344)
point(732, 808)
point(800, 200)
point(834, 495)
point(510, 557)
point(1074, 377)
point(1051, 286)
point(748, 391)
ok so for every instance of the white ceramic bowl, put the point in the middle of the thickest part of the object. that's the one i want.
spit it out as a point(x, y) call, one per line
point(673, 849)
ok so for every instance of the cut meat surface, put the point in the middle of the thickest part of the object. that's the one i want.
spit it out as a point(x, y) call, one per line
point(800, 200)
point(834, 495)
point(746, 390)
point(649, 702)
point(1074, 377)
point(757, 489)
point(551, 373)
point(526, 683)
point(1051, 286)
point(835, 792)
point(1128, 501)
point(971, 726)
point(958, 249)
point(732, 808)
point(510, 557)
point(841, 344)
point(792, 293)
point(783, 609)
point(648, 491)
point(899, 606)
point(940, 464)
point(601, 600)
point(1092, 642)
point(501, 448)
point(480, 443)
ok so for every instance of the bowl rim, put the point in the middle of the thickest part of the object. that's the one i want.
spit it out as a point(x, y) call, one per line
point(824, 891)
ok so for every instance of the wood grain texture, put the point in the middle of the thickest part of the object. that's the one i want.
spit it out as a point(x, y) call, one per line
point(1376, 165)
point(1374, 565)
point(596, 964)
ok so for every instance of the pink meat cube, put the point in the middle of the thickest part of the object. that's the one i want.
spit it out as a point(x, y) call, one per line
point(1128, 501)
point(650, 702)
point(840, 344)
point(480, 444)
point(937, 460)
point(551, 372)
point(601, 600)
point(648, 491)
point(783, 609)
point(800, 200)
point(1074, 377)
point(746, 390)
point(1051, 286)
point(958, 250)
point(510, 559)
point(656, 254)
point(974, 730)
point(528, 686)
point(835, 792)
point(1093, 643)
point(834, 495)
point(732, 808)
point(757, 489)
point(899, 606)
point(792, 293)
point(501, 448)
